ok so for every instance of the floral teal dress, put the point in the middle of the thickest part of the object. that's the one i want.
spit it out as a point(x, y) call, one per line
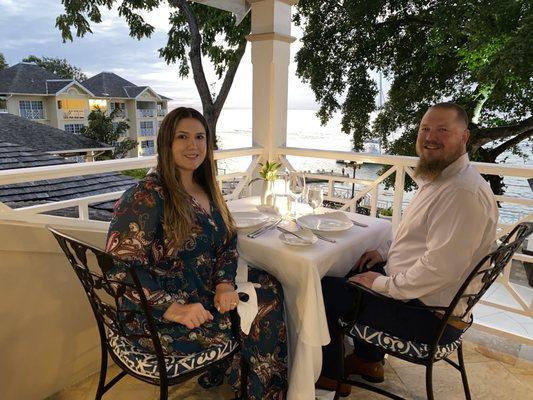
point(189, 274)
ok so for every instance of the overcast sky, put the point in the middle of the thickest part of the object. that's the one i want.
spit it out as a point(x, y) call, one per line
point(28, 27)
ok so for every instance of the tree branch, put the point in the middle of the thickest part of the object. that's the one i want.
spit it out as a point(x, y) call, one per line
point(195, 53)
point(228, 79)
point(487, 135)
point(495, 152)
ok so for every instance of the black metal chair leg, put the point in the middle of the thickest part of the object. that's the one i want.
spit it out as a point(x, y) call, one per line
point(103, 372)
point(429, 381)
point(463, 372)
point(163, 392)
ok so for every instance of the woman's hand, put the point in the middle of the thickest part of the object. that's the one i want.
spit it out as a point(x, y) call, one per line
point(191, 315)
point(226, 298)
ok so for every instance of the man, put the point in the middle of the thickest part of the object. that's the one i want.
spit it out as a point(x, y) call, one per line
point(448, 227)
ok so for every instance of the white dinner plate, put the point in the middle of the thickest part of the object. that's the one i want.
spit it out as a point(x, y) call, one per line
point(248, 219)
point(292, 240)
point(323, 223)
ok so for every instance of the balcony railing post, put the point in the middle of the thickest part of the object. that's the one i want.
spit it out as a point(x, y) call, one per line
point(83, 211)
point(374, 201)
point(398, 196)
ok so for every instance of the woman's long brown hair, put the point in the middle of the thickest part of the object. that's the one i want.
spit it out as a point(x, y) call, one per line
point(178, 213)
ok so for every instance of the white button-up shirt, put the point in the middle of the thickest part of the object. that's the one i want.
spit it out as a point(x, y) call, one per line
point(447, 229)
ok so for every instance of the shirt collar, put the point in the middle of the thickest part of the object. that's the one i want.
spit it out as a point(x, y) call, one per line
point(455, 167)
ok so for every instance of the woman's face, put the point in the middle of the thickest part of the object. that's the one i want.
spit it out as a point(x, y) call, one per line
point(189, 146)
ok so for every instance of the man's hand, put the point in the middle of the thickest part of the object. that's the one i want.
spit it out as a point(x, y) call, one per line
point(366, 278)
point(367, 261)
point(190, 315)
point(226, 298)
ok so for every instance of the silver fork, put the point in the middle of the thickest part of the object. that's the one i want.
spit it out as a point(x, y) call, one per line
point(263, 229)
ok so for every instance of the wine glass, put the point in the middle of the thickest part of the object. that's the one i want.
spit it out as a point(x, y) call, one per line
point(315, 196)
point(297, 187)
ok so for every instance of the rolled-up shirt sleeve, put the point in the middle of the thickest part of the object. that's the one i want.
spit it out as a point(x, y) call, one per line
point(454, 231)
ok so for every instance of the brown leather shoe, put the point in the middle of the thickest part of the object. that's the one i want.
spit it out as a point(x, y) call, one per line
point(369, 371)
point(326, 383)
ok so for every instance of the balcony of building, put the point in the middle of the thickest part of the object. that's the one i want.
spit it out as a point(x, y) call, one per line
point(146, 109)
point(146, 129)
point(74, 114)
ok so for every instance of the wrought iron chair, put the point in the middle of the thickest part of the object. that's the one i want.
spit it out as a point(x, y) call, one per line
point(485, 273)
point(98, 273)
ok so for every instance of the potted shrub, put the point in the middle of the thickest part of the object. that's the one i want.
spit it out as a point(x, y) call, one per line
point(385, 213)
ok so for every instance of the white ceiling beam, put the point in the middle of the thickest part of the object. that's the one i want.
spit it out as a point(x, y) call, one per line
point(238, 7)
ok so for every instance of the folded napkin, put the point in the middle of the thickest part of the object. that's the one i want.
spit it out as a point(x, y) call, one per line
point(339, 216)
point(307, 236)
point(247, 310)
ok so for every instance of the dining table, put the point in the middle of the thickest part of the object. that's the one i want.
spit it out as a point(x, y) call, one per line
point(300, 269)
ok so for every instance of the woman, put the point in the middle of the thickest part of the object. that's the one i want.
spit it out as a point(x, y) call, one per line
point(175, 228)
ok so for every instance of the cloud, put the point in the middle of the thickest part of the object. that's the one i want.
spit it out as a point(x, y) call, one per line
point(110, 48)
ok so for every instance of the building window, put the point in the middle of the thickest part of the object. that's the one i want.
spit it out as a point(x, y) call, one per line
point(147, 128)
point(146, 144)
point(117, 105)
point(3, 104)
point(31, 109)
point(97, 104)
point(118, 108)
point(74, 128)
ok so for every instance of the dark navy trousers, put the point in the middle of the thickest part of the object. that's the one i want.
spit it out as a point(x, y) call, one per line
point(395, 319)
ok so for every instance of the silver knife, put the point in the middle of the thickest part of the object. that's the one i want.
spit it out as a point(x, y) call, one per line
point(359, 224)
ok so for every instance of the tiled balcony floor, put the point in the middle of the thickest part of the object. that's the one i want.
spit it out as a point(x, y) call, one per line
point(488, 378)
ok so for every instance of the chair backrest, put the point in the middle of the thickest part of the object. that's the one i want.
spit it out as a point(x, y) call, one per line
point(490, 267)
point(110, 283)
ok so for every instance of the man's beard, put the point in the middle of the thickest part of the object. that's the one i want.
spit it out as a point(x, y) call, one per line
point(431, 169)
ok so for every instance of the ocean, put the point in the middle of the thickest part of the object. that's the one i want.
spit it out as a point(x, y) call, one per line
point(234, 130)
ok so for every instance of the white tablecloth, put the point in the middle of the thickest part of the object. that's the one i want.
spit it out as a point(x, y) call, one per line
point(299, 270)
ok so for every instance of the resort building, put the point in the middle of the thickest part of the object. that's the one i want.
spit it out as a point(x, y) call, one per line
point(34, 93)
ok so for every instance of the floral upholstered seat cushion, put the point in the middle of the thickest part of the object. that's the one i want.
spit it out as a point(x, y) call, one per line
point(144, 362)
point(401, 346)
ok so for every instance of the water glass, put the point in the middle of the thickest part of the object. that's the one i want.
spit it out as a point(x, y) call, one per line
point(315, 196)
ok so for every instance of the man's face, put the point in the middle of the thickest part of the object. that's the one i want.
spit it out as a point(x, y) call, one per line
point(441, 140)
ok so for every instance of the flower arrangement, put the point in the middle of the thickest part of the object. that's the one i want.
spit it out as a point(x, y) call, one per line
point(269, 170)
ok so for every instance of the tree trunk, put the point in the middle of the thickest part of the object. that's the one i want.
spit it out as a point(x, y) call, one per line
point(211, 108)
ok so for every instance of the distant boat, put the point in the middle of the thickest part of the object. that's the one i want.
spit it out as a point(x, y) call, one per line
point(370, 147)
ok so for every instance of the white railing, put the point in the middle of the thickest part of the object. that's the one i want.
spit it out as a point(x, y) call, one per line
point(73, 114)
point(32, 114)
point(146, 132)
point(147, 151)
point(32, 214)
point(399, 167)
point(118, 113)
point(146, 112)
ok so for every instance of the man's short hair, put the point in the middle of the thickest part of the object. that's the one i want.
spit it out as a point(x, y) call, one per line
point(462, 116)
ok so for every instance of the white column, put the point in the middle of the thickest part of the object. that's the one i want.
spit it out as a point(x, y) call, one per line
point(270, 39)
